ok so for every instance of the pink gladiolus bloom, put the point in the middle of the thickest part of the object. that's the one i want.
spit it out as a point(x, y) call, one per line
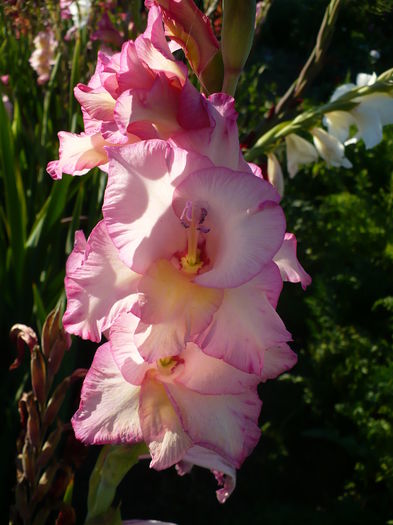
point(189, 28)
point(140, 93)
point(171, 404)
point(188, 247)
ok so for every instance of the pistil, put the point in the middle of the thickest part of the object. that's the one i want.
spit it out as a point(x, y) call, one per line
point(192, 218)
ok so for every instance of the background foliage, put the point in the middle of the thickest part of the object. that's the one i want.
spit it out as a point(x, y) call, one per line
point(326, 452)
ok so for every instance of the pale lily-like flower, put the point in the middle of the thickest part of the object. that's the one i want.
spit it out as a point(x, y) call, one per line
point(330, 148)
point(80, 12)
point(370, 115)
point(189, 247)
point(142, 93)
point(186, 404)
point(274, 173)
point(42, 58)
point(299, 152)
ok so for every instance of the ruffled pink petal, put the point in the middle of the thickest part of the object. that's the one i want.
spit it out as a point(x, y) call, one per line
point(133, 74)
point(246, 223)
point(224, 472)
point(125, 353)
point(172, 309)
point(161, 427)
point(192, 112)
point(78, 154)
point(108, 72)
point(159, 106)
point(290, 268)
point(137, 205)
point(108, 411)
point(245, 325)
point(155, 32)
point(277, 360)
point(98, 103)
point(205, 375)
point(158, 62)
point(98, 288)
point(220, 140)
point(225, 424)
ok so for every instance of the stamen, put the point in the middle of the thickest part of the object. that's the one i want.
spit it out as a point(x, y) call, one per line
point(189, 219)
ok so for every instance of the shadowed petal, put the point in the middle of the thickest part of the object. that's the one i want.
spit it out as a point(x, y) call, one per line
point(108, 411)
point(98, 286)
point(290, 268)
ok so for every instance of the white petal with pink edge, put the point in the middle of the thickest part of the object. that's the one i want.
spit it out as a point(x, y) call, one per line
point(124, 352)
point(290, 268)
point(108, 411)
point(206, 375)
point(245, 325)
point(224, 471)
point(161, 427)
point(277, 360)
point(246, 223)
point(98, 288)
point(225, 424)
point(78, 154)
point(138, 200)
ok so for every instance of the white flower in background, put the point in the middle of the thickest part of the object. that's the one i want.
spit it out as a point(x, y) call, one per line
point(80, 11)
point(274, 173)
point(330, 148)
point(42, 58)
point(299, 152)
point(370, 115)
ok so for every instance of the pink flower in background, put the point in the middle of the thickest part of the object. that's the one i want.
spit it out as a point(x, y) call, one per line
point(189, 403)
point(42, 58)
point(107, 33)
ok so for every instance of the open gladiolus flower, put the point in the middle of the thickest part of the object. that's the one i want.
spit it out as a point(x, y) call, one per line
point(143, 93)
point(171, 404)
point(189, 249)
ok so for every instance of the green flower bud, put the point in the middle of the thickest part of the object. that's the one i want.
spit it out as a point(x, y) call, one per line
point(236, 39)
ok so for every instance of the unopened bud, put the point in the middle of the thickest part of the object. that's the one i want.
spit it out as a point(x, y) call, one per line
point(28, 462)
point(22, 335)
point(49, 447)
point(56, 401)
point(45, 483)
point(33, 424)
point(38, 375)
point(59, 394)
point(236, 39)
point(54, 341)
point(274, 173)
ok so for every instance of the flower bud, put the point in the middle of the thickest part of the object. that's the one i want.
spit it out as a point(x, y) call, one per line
point(236, 39)
point(49, 447)
point(55, 341)
point(38, 375)
point(28, 462)
point(20, 334)
point(45, 483)
point(33, 424)
point(274, 173)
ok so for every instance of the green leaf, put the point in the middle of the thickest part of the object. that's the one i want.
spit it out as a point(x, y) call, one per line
point(15, 204)
point(112, 465)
